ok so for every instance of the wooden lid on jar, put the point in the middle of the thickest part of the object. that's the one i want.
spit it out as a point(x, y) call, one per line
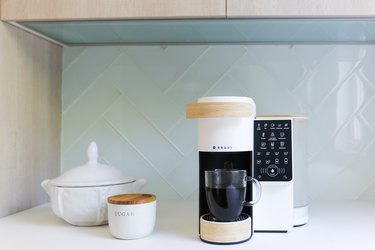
point(129, 199)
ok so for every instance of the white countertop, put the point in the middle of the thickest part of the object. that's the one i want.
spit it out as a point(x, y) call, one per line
point(332, 225)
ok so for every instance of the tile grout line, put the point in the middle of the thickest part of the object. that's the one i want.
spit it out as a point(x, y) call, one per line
point(63, 151)
point(155, 127)
point(75, 60)
point(92, 83)
point(142, 155)
point(216, 82)
point(363, 119)
point(365, 188)
point(339, 84)
point(212, 85)
point(145, 117)
point(239, 85)
point(337, 131)
point(185, 71)
point(135, 148)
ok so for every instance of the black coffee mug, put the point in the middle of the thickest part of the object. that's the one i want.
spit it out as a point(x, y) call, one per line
point(226, 192)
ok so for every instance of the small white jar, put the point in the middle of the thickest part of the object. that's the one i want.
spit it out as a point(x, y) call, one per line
point(131, 216)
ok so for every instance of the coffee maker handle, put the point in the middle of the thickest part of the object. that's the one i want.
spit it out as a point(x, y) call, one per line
point(258, 191)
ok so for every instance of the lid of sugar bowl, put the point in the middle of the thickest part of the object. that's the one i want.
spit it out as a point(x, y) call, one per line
point(131, 199)
point(92, 173)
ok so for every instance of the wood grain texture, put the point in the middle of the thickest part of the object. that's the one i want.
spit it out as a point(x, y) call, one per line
point(218, 109)
point(32, 10)
point(30, 90)
point(300, 8)
point(128, 199)
point(225, 232)
point(110, 9)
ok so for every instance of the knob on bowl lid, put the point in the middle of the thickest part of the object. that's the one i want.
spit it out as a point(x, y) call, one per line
point(92, 173)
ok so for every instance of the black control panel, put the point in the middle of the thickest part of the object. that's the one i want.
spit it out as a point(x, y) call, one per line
point(273, 150)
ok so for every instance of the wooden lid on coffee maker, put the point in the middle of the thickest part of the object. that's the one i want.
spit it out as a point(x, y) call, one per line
point(218, 109)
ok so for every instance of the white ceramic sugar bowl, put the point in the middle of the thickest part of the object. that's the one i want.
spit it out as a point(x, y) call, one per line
point(131, 216)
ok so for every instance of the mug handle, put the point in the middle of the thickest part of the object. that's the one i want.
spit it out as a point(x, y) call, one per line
point(258, 192)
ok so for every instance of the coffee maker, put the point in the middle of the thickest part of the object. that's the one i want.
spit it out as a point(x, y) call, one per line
point(225, 141)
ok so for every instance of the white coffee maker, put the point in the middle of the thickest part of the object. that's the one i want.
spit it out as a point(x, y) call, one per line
point(225, 140)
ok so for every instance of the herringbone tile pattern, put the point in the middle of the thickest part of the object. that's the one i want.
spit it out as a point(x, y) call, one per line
point(131, 101)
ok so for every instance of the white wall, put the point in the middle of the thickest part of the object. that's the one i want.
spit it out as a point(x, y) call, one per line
point(131, 100)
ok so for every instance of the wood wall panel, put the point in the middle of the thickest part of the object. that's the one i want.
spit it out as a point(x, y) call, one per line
point(300, 8)
point(30, 103)
point(110, 9)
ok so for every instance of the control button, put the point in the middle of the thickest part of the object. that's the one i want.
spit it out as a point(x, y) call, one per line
point(259, 162)
point(263, 170)
point(286, 160)
point(282, 145)
point(272, 138)
point(277, 161)
point(272, 170)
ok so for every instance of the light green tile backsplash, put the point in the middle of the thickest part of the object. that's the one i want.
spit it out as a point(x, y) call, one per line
point(131, 101)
